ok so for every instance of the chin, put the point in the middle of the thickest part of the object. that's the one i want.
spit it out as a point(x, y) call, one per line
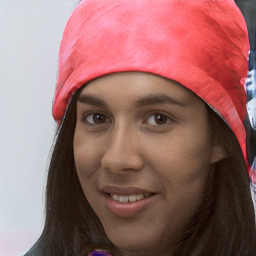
point(147, 242)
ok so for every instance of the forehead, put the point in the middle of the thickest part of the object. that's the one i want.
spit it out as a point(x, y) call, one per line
point(134, 85)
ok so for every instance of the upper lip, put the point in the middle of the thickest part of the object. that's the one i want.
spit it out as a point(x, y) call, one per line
point(125, 190)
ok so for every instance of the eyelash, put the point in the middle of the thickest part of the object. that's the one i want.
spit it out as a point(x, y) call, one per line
point(151, 117)
point(159, 114)
point(85, 118)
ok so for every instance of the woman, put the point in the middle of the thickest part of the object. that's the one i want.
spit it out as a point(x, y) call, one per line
point(150, 156)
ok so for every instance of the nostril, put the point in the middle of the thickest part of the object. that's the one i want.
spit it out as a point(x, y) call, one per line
point(118, 163)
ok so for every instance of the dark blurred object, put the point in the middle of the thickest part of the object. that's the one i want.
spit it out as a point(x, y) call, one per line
point(248, 8)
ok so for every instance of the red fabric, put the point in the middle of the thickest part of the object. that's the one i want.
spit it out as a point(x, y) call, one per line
point(201, 44)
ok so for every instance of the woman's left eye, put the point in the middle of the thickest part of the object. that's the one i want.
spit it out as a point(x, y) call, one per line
point(158, 119)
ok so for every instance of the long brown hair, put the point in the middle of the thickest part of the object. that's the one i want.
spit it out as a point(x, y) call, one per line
point(223, 225)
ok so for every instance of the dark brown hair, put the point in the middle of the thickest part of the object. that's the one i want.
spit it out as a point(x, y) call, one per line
point(223, 225)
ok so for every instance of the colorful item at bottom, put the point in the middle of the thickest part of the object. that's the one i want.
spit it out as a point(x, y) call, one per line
point(99, 253)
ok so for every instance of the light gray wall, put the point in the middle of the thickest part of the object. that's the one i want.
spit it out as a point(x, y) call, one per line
point(30, 33)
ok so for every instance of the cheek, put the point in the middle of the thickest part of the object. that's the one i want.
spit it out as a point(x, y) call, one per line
point(183, 156)
point(182, 163)
point(87, 154)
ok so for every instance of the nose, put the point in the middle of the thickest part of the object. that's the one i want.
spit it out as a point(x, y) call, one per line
point(122, 152)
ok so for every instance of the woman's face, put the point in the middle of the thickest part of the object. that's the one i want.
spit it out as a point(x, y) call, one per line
point(143, 148)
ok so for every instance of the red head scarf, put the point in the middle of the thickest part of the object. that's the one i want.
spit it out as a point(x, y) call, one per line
point(202, 44)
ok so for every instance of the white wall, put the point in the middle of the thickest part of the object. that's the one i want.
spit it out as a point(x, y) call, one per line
point(30, 33)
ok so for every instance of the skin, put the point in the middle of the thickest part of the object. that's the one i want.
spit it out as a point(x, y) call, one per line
point(122, 144)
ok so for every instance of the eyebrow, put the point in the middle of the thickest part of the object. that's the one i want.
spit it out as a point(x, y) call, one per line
point(154, 99)
point(92, 100)
point(151, 99)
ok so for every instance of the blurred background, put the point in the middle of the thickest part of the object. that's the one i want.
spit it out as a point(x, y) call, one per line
point(30, 33)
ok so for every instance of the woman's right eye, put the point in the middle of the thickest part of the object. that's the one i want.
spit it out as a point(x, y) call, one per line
point(96, 118)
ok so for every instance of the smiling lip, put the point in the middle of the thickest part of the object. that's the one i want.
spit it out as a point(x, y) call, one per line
point(126, 209)
point(124, 190)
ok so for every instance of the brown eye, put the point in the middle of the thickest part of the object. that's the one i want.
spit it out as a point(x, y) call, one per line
point(96, 118)
point(158, 119)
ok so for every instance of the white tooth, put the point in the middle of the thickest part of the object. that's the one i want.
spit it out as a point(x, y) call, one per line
point(123, 199)
point(116, 197)
point(139, 196)
point(132, 198)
